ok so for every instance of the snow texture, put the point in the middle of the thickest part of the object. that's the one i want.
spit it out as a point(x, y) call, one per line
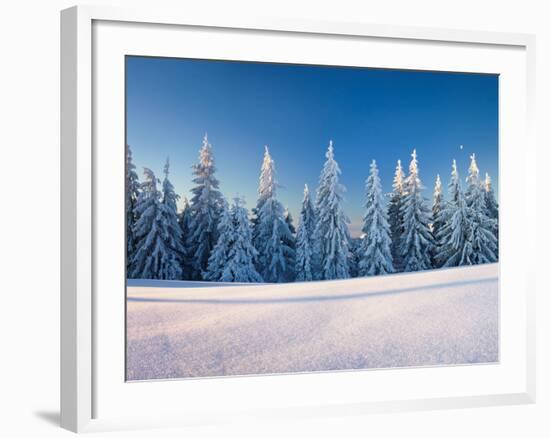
point(447, 316)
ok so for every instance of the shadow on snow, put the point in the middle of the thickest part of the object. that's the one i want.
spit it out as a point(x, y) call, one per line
point(282, 300)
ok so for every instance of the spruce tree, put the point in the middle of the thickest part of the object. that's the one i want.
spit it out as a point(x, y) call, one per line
point(375, 253)
point(204, 209)
point(172, 231)
point(454, 248)
point(266, 188)
point(492, 206)
point(417, 241)
point(355, 255)
point(482, 238)
point(305, 267)
point(154, 258)
point(437, 218)
point(331, 231)
point(272, 237)
point(132, 195)
point(290, 241)
point(220, 254)
point(290, 221)
point(490, 199)
point(395, 216)
point(239, 266)
point(184, 221)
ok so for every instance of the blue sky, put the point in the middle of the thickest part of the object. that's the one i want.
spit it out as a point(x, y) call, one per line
point(296, 109)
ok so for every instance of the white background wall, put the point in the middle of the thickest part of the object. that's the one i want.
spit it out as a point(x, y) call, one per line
point(29, 216)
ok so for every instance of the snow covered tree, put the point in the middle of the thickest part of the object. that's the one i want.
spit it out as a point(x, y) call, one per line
point(204, 210)
point(375, 253)
point(417, 240)
point(331, 230)
point(272, 237)
point(354, 258)
point(220, 254)
point(305, 267)
point(437, 205)
point(132, 194)
point(239, 266)
point(304, 255)
point(482, 238)
point(307, 213)
point(144, 261)
point(173, 236)
point(184, 221)
point(453, 235)
point(395, 216)
point(290, 241)
point(437, 218)
point(274, 253)
point(154, 257)
point(490, 199)
point(266, 189)
point(290, 221)
point(492, 206)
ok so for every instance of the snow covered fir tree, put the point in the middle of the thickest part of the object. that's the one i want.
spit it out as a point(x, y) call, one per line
point(273, 238)
point(220, 253)
point(375, 253)
point(305, 267)
point(132, 195)
point(395, 216)
point(241, 256)
point(491, 204)
point(482, 233)
point(184, 220)
point(158, 238)
point(266, 185)
point(437, 218)
point(454, 234)
point(206, 239)
point(172, 232)
point(416, 242)
point(204, 210)
point(332, 239)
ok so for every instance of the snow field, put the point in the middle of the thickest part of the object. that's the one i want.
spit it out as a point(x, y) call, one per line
point(447, 316)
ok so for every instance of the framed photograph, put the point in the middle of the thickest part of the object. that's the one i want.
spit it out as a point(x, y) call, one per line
point(284, 218)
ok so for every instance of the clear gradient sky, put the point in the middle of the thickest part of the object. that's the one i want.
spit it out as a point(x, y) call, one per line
point(296, 109)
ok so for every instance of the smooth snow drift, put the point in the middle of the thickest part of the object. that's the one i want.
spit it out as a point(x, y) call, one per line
point(447, 316)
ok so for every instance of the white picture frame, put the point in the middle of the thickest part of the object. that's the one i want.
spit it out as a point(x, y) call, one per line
point(84, 372)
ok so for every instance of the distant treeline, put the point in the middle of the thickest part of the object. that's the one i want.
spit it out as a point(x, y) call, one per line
point(214, 241)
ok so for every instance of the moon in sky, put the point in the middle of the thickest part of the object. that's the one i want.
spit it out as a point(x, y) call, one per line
point(461, 147)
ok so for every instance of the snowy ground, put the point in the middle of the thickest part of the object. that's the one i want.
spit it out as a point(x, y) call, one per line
point(440, 317)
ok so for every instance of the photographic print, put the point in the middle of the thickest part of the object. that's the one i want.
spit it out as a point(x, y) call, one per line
point(285, 218)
